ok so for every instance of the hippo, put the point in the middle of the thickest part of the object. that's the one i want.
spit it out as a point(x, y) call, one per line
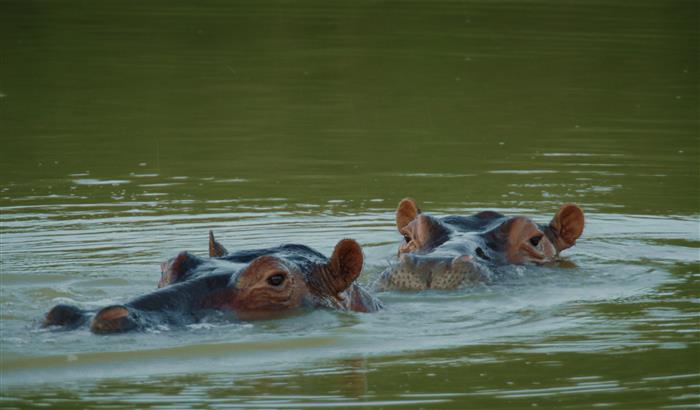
point(454, 251)
point(251, 284)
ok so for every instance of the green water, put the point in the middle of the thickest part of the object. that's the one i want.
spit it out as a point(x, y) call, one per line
point(131, 128)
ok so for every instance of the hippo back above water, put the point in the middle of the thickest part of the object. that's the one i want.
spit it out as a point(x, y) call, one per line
point(448, 252)
point(255, 284)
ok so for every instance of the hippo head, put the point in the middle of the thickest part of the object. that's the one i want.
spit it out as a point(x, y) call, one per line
point(517, 239)
point(446, 252)
point(257, 284)
point(272, 285)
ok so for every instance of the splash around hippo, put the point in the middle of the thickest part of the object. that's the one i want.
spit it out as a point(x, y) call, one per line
point(449, 252)
point(253, 284)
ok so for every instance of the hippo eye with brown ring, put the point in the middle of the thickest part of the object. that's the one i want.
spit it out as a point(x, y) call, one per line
point(535, 240)
point(407, 238)
point(276, 280)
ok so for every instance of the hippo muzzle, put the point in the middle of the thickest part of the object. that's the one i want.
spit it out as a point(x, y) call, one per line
point(418, 272)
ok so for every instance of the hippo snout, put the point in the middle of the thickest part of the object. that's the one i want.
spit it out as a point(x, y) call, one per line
point(417, 272)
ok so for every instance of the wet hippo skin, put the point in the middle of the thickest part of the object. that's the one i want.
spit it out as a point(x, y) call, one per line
point(451, 251)
point(253, 284)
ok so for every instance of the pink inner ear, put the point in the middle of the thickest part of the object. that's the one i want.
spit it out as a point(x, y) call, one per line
point(566, 226)
point(173, 269)
point(406, 212)
point(349, 256)
point(569, 221)
point(346, 265)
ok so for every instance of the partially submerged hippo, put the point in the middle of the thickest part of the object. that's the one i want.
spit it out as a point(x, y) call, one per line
point(447, 252)
point(254, 284)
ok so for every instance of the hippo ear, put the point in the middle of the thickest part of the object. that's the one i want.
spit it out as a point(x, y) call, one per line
point(566, 226)
point(215, 248)
point(406, 212)
point(176, 269)
point(344, 267)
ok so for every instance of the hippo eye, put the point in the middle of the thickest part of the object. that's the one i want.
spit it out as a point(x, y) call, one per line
point(535, 240)
point(407, 238)
point(480, 253)
point(276, 280)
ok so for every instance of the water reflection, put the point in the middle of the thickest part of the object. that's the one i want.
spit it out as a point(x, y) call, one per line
point(466, 377)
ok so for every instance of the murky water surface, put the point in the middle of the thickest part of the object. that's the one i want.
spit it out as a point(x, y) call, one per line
point(129, 129)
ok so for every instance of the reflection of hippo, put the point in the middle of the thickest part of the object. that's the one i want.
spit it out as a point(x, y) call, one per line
point(444, 253)
point(254, 284)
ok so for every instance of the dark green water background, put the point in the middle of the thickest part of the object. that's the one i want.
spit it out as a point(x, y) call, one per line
point(130, 128)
